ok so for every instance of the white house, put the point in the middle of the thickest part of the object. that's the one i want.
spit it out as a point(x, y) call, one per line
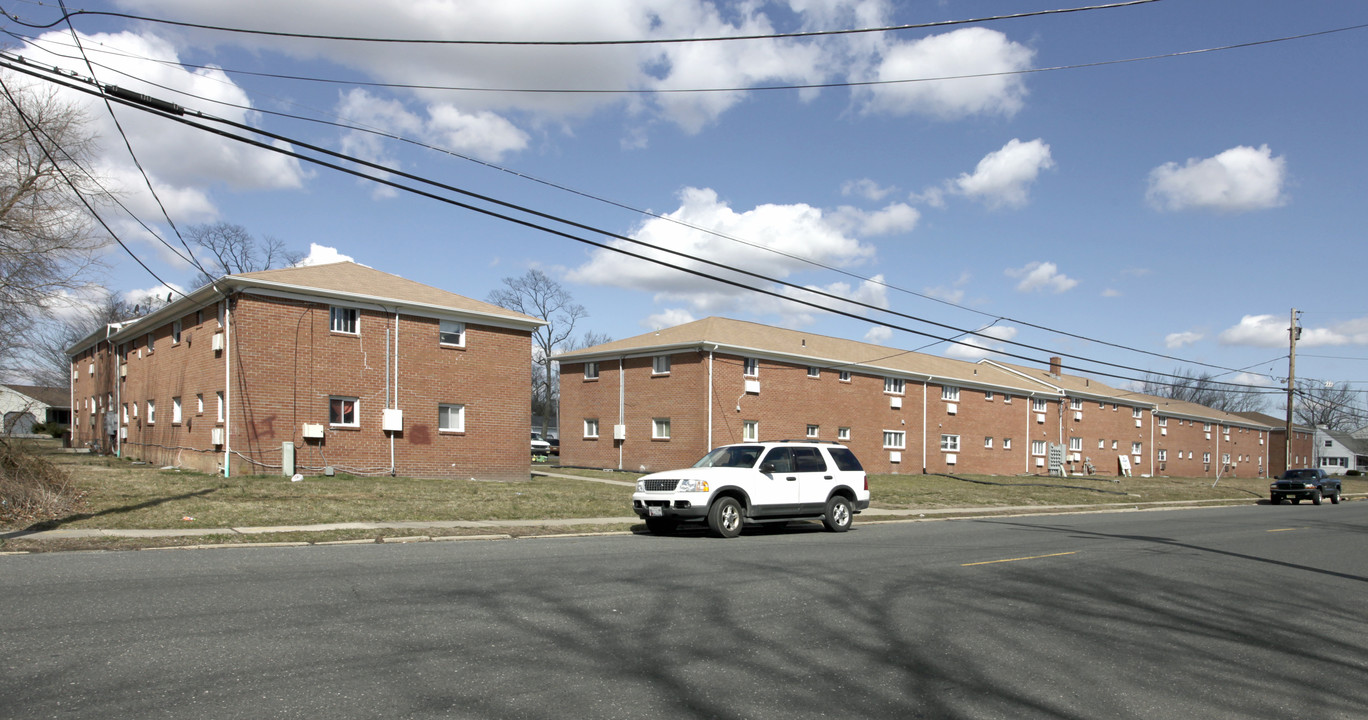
point(24, 406)
point(1340, 452)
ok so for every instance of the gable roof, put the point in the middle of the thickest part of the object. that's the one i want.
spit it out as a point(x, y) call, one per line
point(346, 282)
point(51, 396)
point(739, 337)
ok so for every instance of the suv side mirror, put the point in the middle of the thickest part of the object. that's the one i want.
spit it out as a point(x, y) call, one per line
point(767, 468)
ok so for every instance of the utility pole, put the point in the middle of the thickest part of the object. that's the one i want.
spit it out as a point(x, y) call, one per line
point(1293, 332)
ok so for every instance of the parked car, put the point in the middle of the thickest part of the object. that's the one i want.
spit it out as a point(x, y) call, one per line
point(761, 482)
point(540, 446)
point(1313, 483)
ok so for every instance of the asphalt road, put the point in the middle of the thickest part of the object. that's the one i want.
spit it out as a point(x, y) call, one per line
point(1245, 612)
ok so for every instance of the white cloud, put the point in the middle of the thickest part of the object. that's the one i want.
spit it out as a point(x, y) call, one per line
point(878, 335)
point(867, 189)
point(896, 218)
point(973, 347)
point(968, 51)
point(775, 238)
point(322, 255)
point(1004, 177)
point(668, 318)
point(1237, 180)
point(954, 293)
point(480, 134)
point(1177, 340)
point(1041, 276)
point(1111, 293)
point(1271, 331)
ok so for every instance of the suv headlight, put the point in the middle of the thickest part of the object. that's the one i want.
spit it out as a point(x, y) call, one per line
point(692, 486)
point(641, 486)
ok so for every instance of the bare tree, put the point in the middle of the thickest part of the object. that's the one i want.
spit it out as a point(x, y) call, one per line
point(1335, 406)
point(1204, 389)
point(47, 243)
point(61, 332)
point(538, 295)
point(227, 249)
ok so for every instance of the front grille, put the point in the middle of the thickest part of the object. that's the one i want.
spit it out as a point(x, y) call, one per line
point(661, 485)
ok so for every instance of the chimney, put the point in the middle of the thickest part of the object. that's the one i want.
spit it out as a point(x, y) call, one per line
point(1056, 368)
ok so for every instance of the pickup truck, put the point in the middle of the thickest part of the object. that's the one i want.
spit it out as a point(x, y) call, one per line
point(1312, 483)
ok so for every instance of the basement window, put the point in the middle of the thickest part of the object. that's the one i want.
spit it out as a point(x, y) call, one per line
point(451, 418)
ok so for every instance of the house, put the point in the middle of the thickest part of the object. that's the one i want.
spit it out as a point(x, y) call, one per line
point(1302, 447)
point(663, 399)
point(335, 367)
point(1339, 452)
point(25, 406)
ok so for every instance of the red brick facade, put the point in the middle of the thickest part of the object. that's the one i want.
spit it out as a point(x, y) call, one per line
point(275, 369)
point(988, 418)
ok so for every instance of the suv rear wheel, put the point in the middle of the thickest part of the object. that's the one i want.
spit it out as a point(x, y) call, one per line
point(724, 517)
point(837, 517)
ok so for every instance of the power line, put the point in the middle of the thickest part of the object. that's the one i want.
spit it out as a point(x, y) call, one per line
point(572, 43)
point(666, 218)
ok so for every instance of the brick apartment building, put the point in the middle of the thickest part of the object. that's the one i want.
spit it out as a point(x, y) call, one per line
point(1303, 443)
point(342, 365)
point(663, 399)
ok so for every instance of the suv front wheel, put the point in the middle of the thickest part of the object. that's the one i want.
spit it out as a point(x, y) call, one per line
point(724, 517)
point(837, 517)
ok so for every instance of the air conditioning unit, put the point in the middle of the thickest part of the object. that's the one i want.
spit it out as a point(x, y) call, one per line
point(895, 456)
point(753, 386)
point(1137, 422)
point(895, 402)
point(1040, 462)
point(951, 408)
point(392, 420)
point(123, 433)
point(1208, 436)
point(217, 342)
point(1163, 431)
point(951, 458)
point(123, 371)
point(312, 431)
point(619, 432)
point(1078, 415)
point(1040, 417)
point(216, 436)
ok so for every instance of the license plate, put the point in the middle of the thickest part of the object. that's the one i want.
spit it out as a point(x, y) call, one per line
point(655, 511)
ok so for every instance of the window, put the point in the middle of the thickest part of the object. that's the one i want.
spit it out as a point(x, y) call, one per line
point(1037, 447)
point(1137, 413)
point(450, 418)
point(843, 434)
point(1075, 404)
point(1038, 405)
point(151, 412)
point(949, 443)
point(812, 430)
point(199, 403)
point(591, 371)
point(1206, 427)
point(1206, 458)
point(1075, 444)
point(1101, 444)
point(750, 431)
point(1114, 445)
point(344, 320)
point(591, 427)
point(135, 411)
point(451, 332)
point(1329, 443)
point(660, 365)
point(221, 308)
point(814, 371)
point(951, 393)
point(219, 396)
point(1006, 443)
point(660, 427)
point(897, 386)
point(1006, 399)
point(988, 395)
point(895, 439)
point(988, 442)
point(845, 376)
point(125, 413)
point(176, 410)
point(1225, 458)
point(342, 412)
point(1163, 422)
point(1163, 456)
point(750, 367)
point(150, 340)
point(175, 332)
point(1137, 448)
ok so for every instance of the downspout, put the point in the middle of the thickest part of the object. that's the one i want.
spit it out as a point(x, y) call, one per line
point(387, 396)
point(1027, 444)
point(707, 400)
point(923, 442)
point(396, 384)
point(118, 400)
point(227, 386)
point(1154, 469)
point(622, 405)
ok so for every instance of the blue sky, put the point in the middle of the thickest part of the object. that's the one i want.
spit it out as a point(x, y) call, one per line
point(1179, 205)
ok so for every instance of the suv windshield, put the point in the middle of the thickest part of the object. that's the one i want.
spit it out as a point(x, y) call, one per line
point(733, 456)
point(1296, 474)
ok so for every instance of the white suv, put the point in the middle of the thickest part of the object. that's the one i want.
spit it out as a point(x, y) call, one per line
point(760, 482)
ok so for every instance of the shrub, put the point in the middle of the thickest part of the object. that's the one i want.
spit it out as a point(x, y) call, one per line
point(56, 430)
point(31, 487)
point(1353, 473)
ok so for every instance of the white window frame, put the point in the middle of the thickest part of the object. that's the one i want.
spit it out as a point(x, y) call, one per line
point(175, 332)
point(844, 376)
point(445, 413)
point(219, 396)
point(1006, 443)
point(446, 328)
point(355, 411)
point(843, 434)
point(151, 412)
point(176, 411)
point(344, 320)
point(1163, 456)
point(1137, 413)
point(950, 393)
point(591, 370)
point(1006, 398)
point(1075, 444)
point(1039, 405)
point(660, 365)
point(1075, 403)
point(814, 371)
point(591, 427)
point(750, 431)
point(750, 367)
point(894, 440)
point(895, 386)
point(1137, 448)
point(1163, 422)
point(988, 442)
point(199, 403)
point(1038, 447)
point(151, 341)
point(988, 395)
point(950, 443)
point(660, 427)
point(813, 430)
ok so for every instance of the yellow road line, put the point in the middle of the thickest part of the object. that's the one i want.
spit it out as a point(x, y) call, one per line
point(1283, 530)
point(1033, 557)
